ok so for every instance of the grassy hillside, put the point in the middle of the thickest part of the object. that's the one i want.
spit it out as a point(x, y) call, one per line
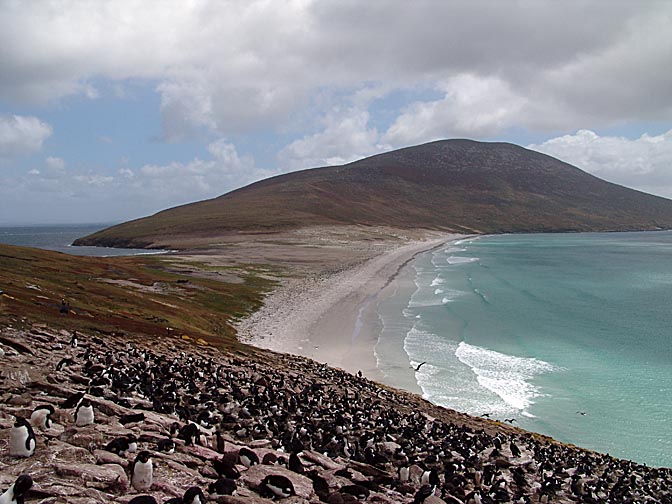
point(456, 185)
point(137, 295)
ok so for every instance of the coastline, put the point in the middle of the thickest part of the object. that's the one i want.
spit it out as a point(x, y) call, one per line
point(331, 317)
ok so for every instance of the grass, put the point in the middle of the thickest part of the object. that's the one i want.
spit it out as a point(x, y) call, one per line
point(133, 295)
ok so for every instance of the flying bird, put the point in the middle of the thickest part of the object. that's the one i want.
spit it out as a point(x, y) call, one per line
point(420, 365)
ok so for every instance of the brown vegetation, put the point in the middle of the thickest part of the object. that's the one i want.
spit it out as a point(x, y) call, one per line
point(453, 185)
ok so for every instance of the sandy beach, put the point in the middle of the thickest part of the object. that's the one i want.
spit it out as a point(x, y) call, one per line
point(328, 316)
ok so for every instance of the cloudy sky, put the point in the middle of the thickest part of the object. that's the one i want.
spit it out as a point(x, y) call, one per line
point(111, 110)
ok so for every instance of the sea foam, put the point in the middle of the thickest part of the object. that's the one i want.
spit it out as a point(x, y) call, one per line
point(507, 376)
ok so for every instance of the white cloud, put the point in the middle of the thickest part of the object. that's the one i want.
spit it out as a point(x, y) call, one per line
point(644, 163)
point(472, 106)
point(130, 192)
point(55, 163)
point(243, 65)
point(201, 178)
point(22, 135)
point(346, 137)
point(178, 183)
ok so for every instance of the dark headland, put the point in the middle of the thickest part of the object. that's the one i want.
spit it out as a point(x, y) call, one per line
point(459, 186)
point(154, 341)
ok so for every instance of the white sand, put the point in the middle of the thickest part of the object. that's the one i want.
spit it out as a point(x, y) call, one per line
point(322, 317)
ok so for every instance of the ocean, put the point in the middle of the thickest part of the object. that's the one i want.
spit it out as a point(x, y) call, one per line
point(60, 238)
point(568, 335)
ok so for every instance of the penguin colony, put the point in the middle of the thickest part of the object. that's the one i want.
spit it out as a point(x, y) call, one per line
point(348, 438)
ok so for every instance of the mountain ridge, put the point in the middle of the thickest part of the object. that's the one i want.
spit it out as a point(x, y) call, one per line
point(447, 185)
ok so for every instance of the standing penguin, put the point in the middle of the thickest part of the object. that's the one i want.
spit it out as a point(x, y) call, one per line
point(84, 413)
point(41, 417)
point(21, 439)
point(16, 492)
point(142, 472)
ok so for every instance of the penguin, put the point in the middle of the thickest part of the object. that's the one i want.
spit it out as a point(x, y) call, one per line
point(320, 485)
point(295, 464)
point(64, 362)
point(73, 340)
point(123, 445)
point(143, 499)
point(430, 478)
point(270, 459)
point(131, 418)
point(474, 497)
point(17, 490)
point(189, 434)
point(276, 486)
point(193, 495)
point(223, 486)
point(359, 491)
point(422, 494)
point(166, 446)
point(142, 472)
point(226, 468)
point(73, 400)
point(515, 451)
point(21, 439)
point(41, 417)
point(404, 473)
point(84, 413)
point(247, 457)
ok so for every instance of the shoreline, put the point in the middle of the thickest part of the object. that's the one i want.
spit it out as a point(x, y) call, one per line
point(331, 318)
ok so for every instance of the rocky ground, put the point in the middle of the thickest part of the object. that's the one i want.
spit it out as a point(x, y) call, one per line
point(336, 437)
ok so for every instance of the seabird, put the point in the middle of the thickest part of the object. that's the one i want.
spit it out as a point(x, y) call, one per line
point(143, 499)
point(223, 486)
point(247, 457)
point(84, 413)
point(131, 418)
point(417, 368)
point(166, 445)
point(275, 485)
point(193, 495)
point(41, 416)
point(142, 472)
point(17, 490)
point(122, 445)
point(21, 439)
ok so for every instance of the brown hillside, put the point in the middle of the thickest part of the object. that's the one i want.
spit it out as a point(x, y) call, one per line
point(457, 185)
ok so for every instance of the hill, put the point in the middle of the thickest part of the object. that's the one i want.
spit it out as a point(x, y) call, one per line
point(450, 185)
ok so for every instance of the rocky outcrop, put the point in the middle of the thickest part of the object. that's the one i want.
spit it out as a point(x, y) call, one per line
point(355, 440)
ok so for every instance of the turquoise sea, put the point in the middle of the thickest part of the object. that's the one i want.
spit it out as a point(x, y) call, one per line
point(568, 335)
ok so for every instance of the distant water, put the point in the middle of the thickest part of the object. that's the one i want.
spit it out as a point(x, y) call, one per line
point(60, 238)
point(568, 334)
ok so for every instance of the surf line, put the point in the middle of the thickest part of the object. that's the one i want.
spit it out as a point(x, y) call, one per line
point(359, 323)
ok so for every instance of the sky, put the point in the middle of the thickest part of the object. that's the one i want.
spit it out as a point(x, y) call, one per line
point(113, 110)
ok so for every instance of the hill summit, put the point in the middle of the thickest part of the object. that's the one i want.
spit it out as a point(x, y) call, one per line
point(449, 185)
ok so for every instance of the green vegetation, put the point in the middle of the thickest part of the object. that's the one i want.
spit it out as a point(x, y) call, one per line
point(137, 295)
